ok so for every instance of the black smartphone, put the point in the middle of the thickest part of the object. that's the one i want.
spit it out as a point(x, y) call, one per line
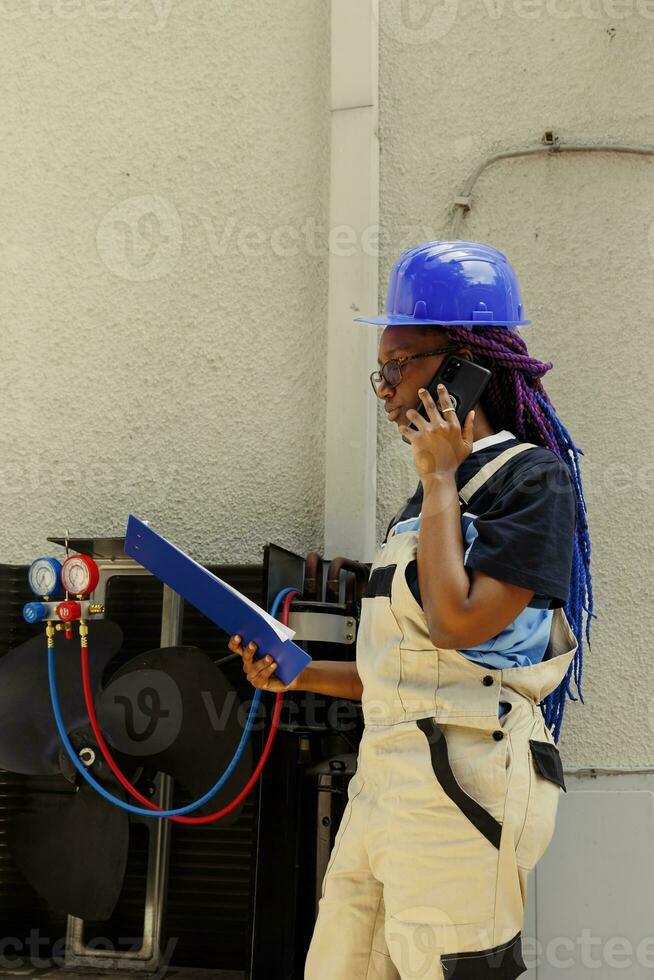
point(465, 382)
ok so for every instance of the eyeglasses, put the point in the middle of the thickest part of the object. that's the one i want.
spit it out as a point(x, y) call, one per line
point(391, 371)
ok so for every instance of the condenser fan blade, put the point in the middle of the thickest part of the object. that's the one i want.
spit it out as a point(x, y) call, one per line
point(175, 710)
point(29, 741)
point(72, 849)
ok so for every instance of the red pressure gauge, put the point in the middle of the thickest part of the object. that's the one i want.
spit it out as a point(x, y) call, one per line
point(79, 574)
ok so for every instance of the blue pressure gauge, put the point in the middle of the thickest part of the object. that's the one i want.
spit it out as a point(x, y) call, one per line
point(45, 576)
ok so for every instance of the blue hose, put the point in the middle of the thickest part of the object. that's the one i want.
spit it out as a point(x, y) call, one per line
point(158, 814)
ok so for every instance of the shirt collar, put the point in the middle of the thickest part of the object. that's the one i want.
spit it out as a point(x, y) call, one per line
point(492, 439)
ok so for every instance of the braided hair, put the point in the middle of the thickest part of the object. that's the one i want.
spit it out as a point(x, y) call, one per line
point(516, 400)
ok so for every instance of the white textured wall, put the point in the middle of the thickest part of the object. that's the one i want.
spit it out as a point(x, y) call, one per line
point(163, 271)
point(463, 81)
point(163, 264)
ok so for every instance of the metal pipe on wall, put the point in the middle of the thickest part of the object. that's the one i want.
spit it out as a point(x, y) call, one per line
point(550, 144)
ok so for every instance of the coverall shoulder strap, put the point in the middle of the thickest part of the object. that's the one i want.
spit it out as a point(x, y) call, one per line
point(489, 469)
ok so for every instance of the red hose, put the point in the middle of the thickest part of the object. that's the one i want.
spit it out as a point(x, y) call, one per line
point(111, 762)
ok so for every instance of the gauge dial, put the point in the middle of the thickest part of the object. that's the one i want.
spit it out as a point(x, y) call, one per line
point(45, 576)
point(79, 574)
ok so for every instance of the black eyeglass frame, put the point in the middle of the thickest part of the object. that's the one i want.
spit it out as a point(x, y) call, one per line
point(379, 374)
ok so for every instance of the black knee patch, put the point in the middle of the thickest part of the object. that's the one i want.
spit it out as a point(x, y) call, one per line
point(502, 962)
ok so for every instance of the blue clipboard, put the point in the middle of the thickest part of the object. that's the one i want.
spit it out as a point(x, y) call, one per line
point(220, 603)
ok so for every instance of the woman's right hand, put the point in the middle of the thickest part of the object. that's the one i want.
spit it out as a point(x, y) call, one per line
point(259, 671)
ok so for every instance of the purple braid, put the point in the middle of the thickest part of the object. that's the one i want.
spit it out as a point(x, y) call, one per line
point(516, 400)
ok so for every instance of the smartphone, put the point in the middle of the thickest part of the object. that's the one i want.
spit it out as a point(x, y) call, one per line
point(465, 382)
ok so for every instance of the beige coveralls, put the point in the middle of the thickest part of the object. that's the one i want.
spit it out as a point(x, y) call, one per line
point(449, 807)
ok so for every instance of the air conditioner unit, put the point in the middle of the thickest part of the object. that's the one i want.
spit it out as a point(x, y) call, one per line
point(229, 899)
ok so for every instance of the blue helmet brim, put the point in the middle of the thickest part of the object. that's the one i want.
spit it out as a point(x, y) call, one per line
point(397, 320)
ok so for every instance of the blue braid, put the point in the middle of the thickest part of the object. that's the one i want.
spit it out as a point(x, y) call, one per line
point(581, 587)
point(516, 399)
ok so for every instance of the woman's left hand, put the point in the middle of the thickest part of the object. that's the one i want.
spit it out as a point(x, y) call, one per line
point(439, 446)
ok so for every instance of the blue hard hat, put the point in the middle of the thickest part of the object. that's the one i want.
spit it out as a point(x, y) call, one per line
point(452, 282)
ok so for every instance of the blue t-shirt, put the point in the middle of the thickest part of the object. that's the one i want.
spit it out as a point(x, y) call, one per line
point(519, 528)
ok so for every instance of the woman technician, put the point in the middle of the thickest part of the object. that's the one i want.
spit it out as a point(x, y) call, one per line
point(464, 651)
